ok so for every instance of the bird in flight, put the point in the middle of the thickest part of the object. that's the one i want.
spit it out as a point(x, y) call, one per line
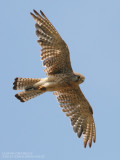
point(61, 79)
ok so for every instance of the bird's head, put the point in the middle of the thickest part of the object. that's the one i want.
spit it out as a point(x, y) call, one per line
point(79, 78)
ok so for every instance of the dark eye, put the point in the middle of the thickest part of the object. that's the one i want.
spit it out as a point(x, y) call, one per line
point(78, 77)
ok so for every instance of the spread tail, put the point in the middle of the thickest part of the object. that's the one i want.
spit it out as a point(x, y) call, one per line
point(24, 83)
point(27, 95)
point(30, 91)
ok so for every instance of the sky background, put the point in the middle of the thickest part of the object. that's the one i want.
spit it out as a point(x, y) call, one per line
point(91, 28)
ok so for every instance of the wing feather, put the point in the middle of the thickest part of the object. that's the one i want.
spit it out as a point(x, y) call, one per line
point(54, 53)
point(80, 113)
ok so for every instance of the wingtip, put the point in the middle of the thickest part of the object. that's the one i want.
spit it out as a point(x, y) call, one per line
point(90, 144)
point(75, 128)
point(31, 13)
point(85, 144)
point(94, 140)
point(42, 13)
point(35, 11)
point(79, 133)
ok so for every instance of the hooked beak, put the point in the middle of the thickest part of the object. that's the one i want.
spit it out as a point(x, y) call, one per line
point(83, 79)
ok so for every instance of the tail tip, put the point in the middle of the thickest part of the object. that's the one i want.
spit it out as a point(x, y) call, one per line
point(16, 78)
point(15, 83)
point(14, 87)
point(18, 97)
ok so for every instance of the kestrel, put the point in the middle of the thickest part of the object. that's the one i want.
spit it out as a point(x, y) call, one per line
point(61, 80)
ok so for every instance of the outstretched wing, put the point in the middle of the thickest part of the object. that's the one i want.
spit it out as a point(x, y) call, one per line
point(55, 53)
point(80, 113)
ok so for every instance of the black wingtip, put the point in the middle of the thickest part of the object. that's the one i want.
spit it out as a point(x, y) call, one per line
point(35, 11)
point(42, 13)
point(32, 15)
point(37, 14)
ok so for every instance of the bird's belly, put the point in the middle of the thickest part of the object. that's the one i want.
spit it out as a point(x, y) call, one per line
point(53, 83)
point(56, 85)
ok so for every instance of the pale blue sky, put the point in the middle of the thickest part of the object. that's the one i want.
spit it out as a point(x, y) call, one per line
point(91, 28)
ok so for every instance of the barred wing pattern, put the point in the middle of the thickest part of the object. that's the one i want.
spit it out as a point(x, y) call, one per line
point(55, 53)
point(80, 113)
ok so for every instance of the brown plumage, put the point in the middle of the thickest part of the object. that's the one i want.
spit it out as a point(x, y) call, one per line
point(24, 83)
point(54, 53)
point(61, 79)
point(79, 111)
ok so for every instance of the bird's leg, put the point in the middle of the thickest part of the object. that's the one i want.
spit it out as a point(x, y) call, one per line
point(42, 88)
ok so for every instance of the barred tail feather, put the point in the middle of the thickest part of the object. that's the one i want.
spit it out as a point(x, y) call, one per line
point(24, 83)
point(27, 95)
